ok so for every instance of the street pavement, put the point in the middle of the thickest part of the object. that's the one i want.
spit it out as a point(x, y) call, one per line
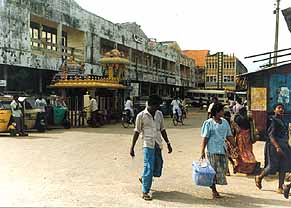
point(89, 167)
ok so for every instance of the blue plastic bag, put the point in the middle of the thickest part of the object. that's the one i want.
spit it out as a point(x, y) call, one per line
point(203, 173)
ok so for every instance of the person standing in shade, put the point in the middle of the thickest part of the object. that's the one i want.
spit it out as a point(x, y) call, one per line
point(94, 110)
point(17, 115)
point(150, 123)
point(277, 149)
point(214, 132)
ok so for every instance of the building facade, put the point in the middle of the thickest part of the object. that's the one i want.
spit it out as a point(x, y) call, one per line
point(200, 61)
point(221, 71)
point(37, 36)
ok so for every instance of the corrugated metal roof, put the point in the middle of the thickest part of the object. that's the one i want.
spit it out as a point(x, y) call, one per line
point(263, 70)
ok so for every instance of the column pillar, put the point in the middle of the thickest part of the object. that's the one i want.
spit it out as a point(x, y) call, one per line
point(5, 75)
point(40, 80)
point(60, 38)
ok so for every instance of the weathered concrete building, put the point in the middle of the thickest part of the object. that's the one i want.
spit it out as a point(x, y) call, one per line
point(36, 36)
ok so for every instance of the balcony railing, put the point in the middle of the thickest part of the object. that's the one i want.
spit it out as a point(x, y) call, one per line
point(87, 77)
point(58, 51)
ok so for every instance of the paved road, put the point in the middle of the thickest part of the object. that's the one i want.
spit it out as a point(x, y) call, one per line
point(92, 168)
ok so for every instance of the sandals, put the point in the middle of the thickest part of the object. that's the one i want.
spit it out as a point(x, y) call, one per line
point(280, 191)
point(286, 191)
point(258, 182)
point(146, 196)
point(216, 195)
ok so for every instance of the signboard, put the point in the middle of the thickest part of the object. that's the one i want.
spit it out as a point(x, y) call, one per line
point(137, 39)
point(135, 90)
point(259, 99)
point(3, 83)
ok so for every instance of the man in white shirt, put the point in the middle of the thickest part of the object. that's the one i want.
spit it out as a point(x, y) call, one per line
point(214, 100)
point(41, 103)
point(176, 103)
point(17, 115)
point(93, 110)
point(129, 106)
point(150, 122)
point(237, 106)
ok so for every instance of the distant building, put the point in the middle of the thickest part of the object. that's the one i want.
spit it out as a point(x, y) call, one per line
point(221, 71)
point(216, 71)
point(200, 62)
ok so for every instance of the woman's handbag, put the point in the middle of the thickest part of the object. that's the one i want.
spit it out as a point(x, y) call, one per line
point(203, 173)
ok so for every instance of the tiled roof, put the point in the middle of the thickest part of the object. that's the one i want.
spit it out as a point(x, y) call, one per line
point(198, 55)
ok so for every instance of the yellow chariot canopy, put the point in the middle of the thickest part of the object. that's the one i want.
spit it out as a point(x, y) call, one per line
point(87, 84)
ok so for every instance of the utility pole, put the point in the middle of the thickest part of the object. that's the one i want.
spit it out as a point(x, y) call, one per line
point(276, 32)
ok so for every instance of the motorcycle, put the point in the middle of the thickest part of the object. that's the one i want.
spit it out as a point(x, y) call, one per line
point(126, 119)
point(177, 119)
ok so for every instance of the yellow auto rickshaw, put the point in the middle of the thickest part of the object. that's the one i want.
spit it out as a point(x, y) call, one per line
point(6, 124)
point(34, 118)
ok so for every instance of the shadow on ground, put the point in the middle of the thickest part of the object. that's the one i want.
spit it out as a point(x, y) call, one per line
point(228, 200)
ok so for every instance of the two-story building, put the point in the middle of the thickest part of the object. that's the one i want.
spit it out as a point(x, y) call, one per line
point(37, 36)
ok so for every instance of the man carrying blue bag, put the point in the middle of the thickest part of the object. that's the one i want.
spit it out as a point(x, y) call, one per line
point(214, 132)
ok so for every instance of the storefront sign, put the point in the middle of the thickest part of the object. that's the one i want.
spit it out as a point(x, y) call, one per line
point(147, 77)
point(162, 79)
point(3, 83)
point(171, 81)
point(137, 39)
point(135, 90)
point(259, 99)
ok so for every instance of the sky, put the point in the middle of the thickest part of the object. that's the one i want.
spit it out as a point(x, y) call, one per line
point(239, 27)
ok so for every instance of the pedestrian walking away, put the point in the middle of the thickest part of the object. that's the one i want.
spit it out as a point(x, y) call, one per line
point(246, 160)
point(214, 132)
point(150, 123)
point(277, 149)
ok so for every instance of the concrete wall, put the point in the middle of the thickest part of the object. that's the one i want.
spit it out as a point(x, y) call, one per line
point(15, 37)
